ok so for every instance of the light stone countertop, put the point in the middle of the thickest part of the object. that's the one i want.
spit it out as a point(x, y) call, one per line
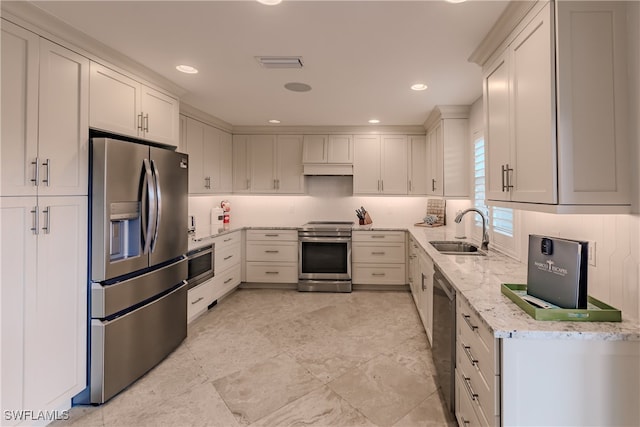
point(477, 279)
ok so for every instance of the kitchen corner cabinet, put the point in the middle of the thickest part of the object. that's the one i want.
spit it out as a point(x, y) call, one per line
point(272, 256)
point(380, 164)
point(556, 119)
point(210, 156)
point(447, 151)
point(45, 130)
point(267, 164)
point(379, 258)
point(44, 301)
point(125, 106)
point(417, 147)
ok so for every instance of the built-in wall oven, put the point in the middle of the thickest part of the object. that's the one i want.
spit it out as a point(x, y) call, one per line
point(324, 256)
point(201, 263)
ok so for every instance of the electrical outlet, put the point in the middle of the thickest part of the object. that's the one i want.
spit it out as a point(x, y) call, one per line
point(592, 253)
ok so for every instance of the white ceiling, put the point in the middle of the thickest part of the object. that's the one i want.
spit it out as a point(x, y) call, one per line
point(360, 57)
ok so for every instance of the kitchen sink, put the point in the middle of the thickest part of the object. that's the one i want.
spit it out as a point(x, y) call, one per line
point(453, 247)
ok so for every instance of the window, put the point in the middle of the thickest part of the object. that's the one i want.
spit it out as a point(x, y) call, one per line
point(501, 220)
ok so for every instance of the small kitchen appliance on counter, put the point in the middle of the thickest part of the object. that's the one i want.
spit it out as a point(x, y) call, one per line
point(557, 271)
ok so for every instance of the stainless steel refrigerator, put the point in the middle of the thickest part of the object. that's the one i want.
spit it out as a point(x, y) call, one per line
point(138, 264)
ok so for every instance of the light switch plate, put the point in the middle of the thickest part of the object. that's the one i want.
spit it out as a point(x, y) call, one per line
point(592, 253)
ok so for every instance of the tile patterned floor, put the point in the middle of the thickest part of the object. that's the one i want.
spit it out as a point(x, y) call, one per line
point(271, 358)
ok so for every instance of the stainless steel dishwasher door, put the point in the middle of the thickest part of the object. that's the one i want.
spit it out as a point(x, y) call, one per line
point(444, 338)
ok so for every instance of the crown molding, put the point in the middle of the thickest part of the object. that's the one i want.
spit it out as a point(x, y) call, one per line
point(194, 113)
point(329, 130)
point(506, 23)
point(447, 112)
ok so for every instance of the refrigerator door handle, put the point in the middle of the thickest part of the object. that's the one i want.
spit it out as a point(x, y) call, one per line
point(148, 211)
point(158, 202)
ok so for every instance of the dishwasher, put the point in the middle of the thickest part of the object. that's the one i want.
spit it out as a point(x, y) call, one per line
point(444, 338)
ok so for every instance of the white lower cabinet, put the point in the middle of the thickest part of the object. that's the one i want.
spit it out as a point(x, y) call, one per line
point(272, 256)
point(44, 302)
point(198, 299)
point(379, 258)
point(425, 287)
point(477, 369)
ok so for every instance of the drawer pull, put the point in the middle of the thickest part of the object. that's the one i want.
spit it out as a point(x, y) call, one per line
point(271, 252)
point(271, 235)
point(228, 257)
point(378, 274)
point(228, 280)
point(464, 421)
point(377, 253)
point(378, 236)
point(271, 272)
point(228, 240)
point(467, 384)
point(472, 359)
point(197, 301)
point(468, 322)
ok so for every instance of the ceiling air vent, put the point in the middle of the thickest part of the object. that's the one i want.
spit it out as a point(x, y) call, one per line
point(280, 61)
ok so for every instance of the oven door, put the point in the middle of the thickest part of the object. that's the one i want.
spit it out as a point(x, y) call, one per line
point(200, 265)
point(324, 258)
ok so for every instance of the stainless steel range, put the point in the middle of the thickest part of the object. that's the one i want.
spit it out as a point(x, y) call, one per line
point(324, 256)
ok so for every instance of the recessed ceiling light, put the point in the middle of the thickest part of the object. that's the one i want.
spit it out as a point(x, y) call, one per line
point(187, 69)
point(274, 121)
point(419, 86)
point(298, 87)
point(270, 2)
point(374, 121)
point(455, 1)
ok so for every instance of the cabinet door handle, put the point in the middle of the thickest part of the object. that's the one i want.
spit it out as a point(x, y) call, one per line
point(207, 182)
point(146, 123)
point(228, 280)
point(382, 184)
point(36, 173)
point(467, 320)
point(197, 301)
point(47, 164)
point(467, 351)
point(504, 171)
point(433, 184)
point(228, 257)
point(228, 240)
point(140, 122)
point(36, 220)
point(410, 186)
point(47, 220)
point(508, 177)
point(467, 384)
point(272, 252)
point(464, 420)
point(378, 185)
point(248, 184)
point(424, 288)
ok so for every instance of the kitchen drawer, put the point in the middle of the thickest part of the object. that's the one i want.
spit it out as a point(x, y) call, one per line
point(379, 274)
point(375, 252)
point(272, 235)
point(466, 407)
point(378, 236)
point(227, 240)
point(477, 335)
point(198, 299)
point(268, 272)
point(272, 251)
point(482, 383)
point(226, 257)
point(229, 279)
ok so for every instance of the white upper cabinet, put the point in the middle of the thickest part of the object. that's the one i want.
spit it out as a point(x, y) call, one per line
point(210, 155)
point(448, 162)
point(380, 164)
point(44, 116)
point(122, 105)
point(556, 120)
point(417, 146)
point(327, 154)
point(267, 164)
point(314, 149)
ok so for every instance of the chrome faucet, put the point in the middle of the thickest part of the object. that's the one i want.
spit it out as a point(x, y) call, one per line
point(485, 235)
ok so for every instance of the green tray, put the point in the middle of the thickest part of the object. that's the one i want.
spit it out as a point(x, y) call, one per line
point(596, 310)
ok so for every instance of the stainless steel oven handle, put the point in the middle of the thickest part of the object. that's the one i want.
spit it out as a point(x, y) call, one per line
point(325, 239)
